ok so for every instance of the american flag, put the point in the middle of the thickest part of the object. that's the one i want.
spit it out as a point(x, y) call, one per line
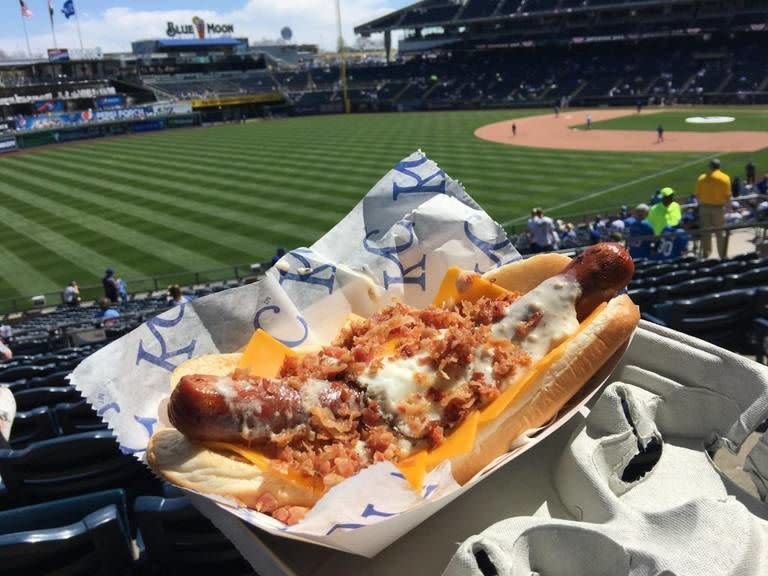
point(25, 11)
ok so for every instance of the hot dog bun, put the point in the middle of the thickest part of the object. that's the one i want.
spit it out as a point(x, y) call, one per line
point(195, 467)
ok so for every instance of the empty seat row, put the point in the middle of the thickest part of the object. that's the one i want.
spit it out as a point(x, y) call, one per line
point(723, 318)
point(94, 534)
point(733, 277)
point(47, 422)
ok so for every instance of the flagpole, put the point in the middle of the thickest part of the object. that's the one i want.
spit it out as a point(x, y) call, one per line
point(80, 36)
point(53, 30)
point(26, 36)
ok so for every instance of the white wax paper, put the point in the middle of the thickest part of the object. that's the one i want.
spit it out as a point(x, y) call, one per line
point(398, 243)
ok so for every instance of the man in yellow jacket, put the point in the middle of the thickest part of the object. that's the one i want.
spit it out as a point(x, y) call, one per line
point(713, 189)
point(665, 213)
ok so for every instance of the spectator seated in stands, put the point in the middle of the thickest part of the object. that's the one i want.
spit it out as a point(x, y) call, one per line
point(7, 414)
point(175, 296)
point(665, 213)
point(672, 245)
point(762, 185)
point(71, 294)
point(107, 315)
point(637, 226)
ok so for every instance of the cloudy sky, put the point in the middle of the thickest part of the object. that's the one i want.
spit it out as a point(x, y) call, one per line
point(113, 24)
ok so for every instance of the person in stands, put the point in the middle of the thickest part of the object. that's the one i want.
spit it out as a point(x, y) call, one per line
point(107, 315)
point(665, 213)
point(109, 282)
point(713, 189)
point(72, 294)
point(673, 244)
point(751, 173)
point(640, 243)
point(175, 296)
point(543, 237)
point(122, 290)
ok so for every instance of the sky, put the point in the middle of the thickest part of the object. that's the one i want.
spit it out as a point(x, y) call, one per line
point(113, 24)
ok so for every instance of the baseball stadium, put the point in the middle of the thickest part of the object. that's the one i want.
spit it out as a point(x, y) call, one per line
point(193, 168)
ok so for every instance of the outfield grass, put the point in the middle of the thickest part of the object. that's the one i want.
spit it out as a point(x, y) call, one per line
point(196, 199)
point(752, 119)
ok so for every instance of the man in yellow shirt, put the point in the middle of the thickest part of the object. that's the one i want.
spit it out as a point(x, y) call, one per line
point(713, 189)
point(665, 213)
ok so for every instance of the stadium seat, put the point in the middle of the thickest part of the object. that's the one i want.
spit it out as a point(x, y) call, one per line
point(32, 426)
point(179, 540)
point(723, 318)
point(18, 372)
point(66, 466)
point(749, 279)
point(76, 417)
point(698, 264)
point(643, 297)
point(36, 397)
point(56, 378)
point(675, 277)
point(691, 288)
point(723, 269)
point(76, 536)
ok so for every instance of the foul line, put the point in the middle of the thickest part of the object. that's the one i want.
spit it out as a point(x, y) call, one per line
point(619, 186)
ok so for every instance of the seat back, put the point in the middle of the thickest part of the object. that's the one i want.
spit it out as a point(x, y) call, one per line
point(66, 466)
point(675, 277)
point(76, 417)
point(691, 288)
point(97, 544)
point(723, 269)
point(178, 539)
point(58, 378)
point(750, 279)
point(36, 397)
point(722, 318)
point(643, 297)
point(18, 372)
point(32, 426)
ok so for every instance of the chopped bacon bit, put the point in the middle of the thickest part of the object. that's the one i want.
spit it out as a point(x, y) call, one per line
point(435, 434)
point(290, 515)
point(525, 327)
point(266, 503)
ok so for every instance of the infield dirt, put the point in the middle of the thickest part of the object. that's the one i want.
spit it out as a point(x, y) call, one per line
point(548, 131)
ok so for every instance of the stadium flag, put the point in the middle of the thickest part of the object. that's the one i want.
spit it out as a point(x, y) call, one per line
point(68, 9)
point(25, 11)
point(26, 14)
point(53, 29)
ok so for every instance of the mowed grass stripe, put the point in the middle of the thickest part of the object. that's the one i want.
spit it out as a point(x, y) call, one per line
point(541, 192)
point(19, 278)
point(173, 176)
point(158, 217)
point(176, 203)
point(110, 236)
point(86, 260)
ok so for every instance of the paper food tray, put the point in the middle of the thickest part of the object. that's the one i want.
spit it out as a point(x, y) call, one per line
point(397, 243)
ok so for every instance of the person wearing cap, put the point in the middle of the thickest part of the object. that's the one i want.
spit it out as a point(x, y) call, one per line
point(713, 189)
point(665, 213)
point(110, 285)
point(638, 227)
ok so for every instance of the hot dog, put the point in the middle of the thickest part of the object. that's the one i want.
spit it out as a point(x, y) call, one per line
point(406, 386)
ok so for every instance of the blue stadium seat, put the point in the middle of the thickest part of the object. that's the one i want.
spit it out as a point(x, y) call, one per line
point(691, 288)
point(698, 264)
point(675, 277)
point(179, 540)
point(643, 297)
point(66, 466)
point(58, 378)
point(749, 279)
point(36, 397)
point(76, 417)
point(33, 426)
point(723, 269)
point(723, 318)
point(18, 372)
point(81, 536)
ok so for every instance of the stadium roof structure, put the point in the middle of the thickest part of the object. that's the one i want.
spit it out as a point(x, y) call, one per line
point(197, 43)
point(523, 18)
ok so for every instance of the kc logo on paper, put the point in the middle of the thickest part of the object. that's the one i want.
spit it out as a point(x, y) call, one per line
point(162, 360)
point(422, 178)
point(414, 274)
point(490, 248)
point(305, 273)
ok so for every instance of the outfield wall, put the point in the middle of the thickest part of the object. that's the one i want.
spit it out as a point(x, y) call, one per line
point(34, 138)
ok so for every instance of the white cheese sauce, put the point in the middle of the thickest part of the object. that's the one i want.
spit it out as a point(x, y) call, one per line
point(556, 299)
